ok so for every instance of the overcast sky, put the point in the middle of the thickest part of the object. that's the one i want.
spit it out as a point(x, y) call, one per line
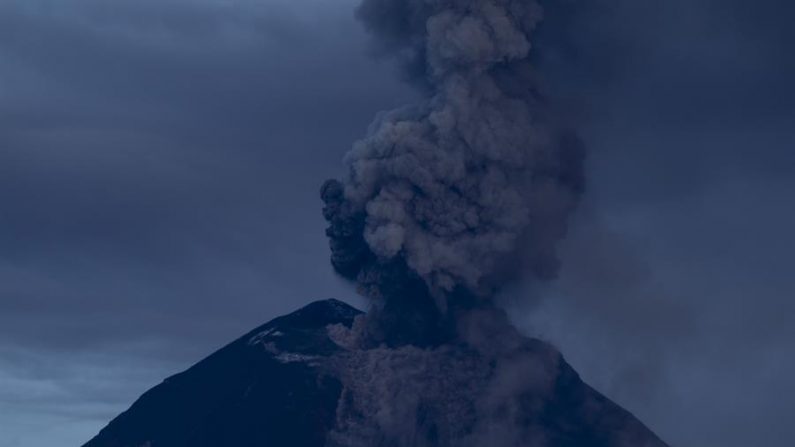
point(159, 170)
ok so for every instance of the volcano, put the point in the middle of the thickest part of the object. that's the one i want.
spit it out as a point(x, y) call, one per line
point(299, 381)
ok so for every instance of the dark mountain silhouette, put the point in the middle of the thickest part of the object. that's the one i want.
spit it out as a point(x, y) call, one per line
point(271, 387)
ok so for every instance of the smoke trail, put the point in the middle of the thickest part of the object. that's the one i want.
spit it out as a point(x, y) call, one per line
point(453, 193)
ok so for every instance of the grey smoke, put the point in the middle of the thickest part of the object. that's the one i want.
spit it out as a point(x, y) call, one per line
point(450, 188)
point(444, 201)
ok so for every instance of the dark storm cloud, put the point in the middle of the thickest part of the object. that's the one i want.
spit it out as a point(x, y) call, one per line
point(146, 143)
point(671, 84)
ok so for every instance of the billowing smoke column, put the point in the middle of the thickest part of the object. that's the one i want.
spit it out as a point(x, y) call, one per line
point(445, 201)
point(448, 198)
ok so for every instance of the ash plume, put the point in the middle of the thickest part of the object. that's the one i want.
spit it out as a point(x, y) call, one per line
point(450, 196)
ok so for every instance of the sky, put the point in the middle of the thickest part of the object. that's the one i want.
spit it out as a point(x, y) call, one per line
point(160, 163)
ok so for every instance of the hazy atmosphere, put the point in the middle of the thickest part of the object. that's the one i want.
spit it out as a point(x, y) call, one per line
point(160, 163)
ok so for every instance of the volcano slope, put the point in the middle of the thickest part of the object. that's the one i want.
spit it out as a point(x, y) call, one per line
point(305, 380)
